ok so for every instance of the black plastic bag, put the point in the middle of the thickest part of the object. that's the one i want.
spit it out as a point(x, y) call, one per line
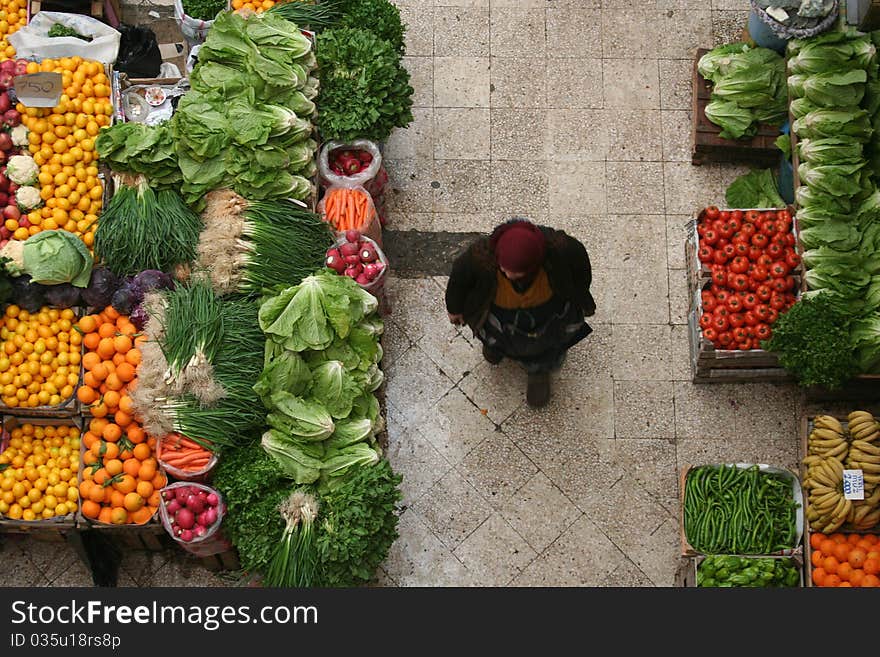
point(139, 55)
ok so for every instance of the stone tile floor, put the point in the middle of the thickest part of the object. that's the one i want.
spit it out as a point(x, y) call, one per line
point(575, 113)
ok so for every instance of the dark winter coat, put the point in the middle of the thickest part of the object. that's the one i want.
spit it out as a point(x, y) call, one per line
point(472, 282)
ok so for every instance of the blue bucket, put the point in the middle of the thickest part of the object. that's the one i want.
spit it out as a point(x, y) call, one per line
point(763, 36)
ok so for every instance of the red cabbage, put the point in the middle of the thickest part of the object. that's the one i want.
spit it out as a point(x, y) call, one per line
point(101, 287)
point(63, 295)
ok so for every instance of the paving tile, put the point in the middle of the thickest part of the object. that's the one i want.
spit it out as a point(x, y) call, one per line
point(395, 424)
point(455, 426)
point(519, 4)
point(579, 416)
point(17, 569)
point(643, 409)
point(769, 410)
point(124, 580)
point(559, 4)
point(627, 515)
point(518, 134)
point(419, 558)
point(460, 222)
point(52, 558)
point(676, 235)
point(419, 23)
point(680, 354)
point(650, 462)
point(495, 553)
point(689, 188)
point(450, 348)
point(682, 31)
point(409, 185)
point(676, 91)
point(187, 572)
point(382, 580)
point(582, 556)
point(634, 187)
point(414, 457)
point(706, 411)
point(679, 298)
point(577, 135)
point(574, 31)
point(677, 126)
point(452, 509)
point(594, 231)
point(657, 555)
point(629, 247)
point(576, 188)
point(634, 135)
point(518, 82)
point(519, 189)
point(461, 31)
point(591, 358)
point(462, 3)
point(141, 565)
point(626, 575)
point(74, 574)
point(414, 383)
point(497, 389)
point(399, 220)
point(421, 79)
point(461, 134)
point(631, 83)
point(574, 83)
point(497, 468)
point(639, 293)
point(727, 5)
point(539, 512)
point(780, 453)
point(629, 32)
point(463, 186)
point(417, 305)
point(518, 32)
point(394, 343)
point(461, 82)
point(728, 26)
point(416, 142)
point(641, 352)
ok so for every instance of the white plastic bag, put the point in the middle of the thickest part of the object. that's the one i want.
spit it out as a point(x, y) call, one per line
point(33, 40)
point(212, 541)
point(330, 179)
point(193, 29)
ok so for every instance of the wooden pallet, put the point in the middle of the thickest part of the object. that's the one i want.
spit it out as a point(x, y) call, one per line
point(707, 146)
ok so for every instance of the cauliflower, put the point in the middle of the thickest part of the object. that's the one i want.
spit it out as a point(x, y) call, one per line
point(22, 170)
point(20, 135)
point(28, 198)
point(13, 254)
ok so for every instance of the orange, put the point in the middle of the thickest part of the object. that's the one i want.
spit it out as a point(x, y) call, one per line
point(85, 487)
point(87, 324)
point(852, 539)
point(857, 557)
point(871, 538)
point(819, 575)
point(142, 515)
point(111, 398)
point(125, 371)
point(114, 497)
point(865, 545)
point(90, 381)
point(114, 467)
point(105, 348)
point(112, 432)
point(97, 424)
point(111, 451)
point(816, 559)
point(147, 471)
point(126, 405)
point(122, 419)
point(119, 516)
point(125, 484)
point(86, 395)
point(830, 565)
point(841, 551)
point(831, 581)
point(111, 313)
point(871, 566)
point(871, 581)
point(131, 467)
point(845, 571)
point(133, 357)
point(113, 382)
point(857, 577)
point(844, 584)
point(154, 499)
point(90, 360)
point(144, 489)
point(118, 359)
point(100, 476)
point(107, 330)
point(99, 371)
point(99, 410)
point(96, 494)
point(90, 509)
point(133, 502)
point(159, 481)
point(122, 343)
point(89, 439)
point(816, 540)
point(827, 547)
point(91, 341)
point(105, 515)
point(135, 434)
point(142, 452)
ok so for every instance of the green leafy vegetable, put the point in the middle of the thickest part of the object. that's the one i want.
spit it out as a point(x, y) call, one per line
point(735, 121)
point(59, 30)
point(50, 257)
point(380, 17)
point(832, 89)
point(755, 189)
point(298, 460)
point(833, 150)
point(203, 10)
point(824, 123)
point(335, 387)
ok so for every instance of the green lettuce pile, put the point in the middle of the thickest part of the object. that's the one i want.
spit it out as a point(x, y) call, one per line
point(321, 368)
point(836, 95)
point(748, 88)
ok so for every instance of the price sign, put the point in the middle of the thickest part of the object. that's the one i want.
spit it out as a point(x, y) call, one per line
point(38, 89)
point(853, 485)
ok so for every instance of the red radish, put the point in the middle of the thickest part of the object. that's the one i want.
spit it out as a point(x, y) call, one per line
point(173, 506)
point(348, 249)
point(168, 494)
point(195, 503)
point(181, 494)
point(353, 236)
point(365, 157)
point(210, 515)
point(368, 253)
point(200, 530)
point(362, 279)
point(185, 518)
point(213, 500)
point(352, 260)
point(186, 535)
point(4, 199)
point(351, 272)
point(336, 263)
point(5, 233)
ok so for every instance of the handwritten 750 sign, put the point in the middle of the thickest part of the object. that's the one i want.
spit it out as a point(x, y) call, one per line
point(38, 89)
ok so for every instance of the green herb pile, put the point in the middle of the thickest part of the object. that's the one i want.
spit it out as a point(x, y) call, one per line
point(380, 17)
point(365, 91)
point(747, 88)
point(59, 30)
point(203, 10)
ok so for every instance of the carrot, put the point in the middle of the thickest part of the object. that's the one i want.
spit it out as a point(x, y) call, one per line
point(188, 460)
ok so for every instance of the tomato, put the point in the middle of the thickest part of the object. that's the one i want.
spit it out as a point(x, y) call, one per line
point(792, 259)
point(724, 215)
point(764, 292)
point(721, 311)
point(706, 320)
point(727, 230)
point(745, 345)
point(778, 238)
point(752, 216)
point(783, 215)
point(701, 229)
point(760, 240)
point(751, 318)
point(721, 297)
point(774, 315)
point(779, 270)
point(737, 320)
point(734, 304)
point(762, 312)
point(742, 249)
point(760, 273)
point(739, 265)
point(775, 250)
point(708, 300)
point(719, 257)
point(712, 212)
point(765, 260)
point(777, 302)
point(755, 252)
point(740, 237)
point(725, 338)
point(729, 250)
point(737, 215)
point(740, 282)
point(740, 335)
point(790, 239)
point(720, 323)
point(722, 242)
point(762, 332)
point(769, 228)
point(710, 237)
point(706, 254)
point(748, 229)
point(736, 223)
point(710, 334)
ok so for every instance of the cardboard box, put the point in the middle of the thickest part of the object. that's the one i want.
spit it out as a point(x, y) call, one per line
point(687, 574)
point(687, 550)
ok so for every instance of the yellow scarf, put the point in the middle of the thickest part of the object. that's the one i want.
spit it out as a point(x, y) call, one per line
point(537, 294)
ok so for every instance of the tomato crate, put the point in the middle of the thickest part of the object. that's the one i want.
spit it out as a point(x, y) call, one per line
point(707, 146)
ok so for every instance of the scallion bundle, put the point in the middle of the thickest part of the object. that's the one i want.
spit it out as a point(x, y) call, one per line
point(314, 16)
point(144, 229)
point(295, 561)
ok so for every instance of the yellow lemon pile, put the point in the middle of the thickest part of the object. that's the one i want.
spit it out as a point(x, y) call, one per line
point(40, 477)
point(39, 362)
point(13, 16)
point(62, 143)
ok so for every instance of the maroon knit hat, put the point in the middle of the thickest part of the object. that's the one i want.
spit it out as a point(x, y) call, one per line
point(519, 246)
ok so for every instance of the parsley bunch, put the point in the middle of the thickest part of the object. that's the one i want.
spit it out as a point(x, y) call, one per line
point(203, 10)
point(380, 17)
point(813, 342)
point(365, 91)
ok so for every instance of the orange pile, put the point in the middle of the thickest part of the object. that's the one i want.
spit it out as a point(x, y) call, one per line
point(62, 143)
point(13, 16)
point(110, 364)
point(256, 6)
point(121, 478)
point(848, 560)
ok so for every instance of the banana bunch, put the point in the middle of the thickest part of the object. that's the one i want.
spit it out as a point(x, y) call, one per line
point(864, 455)
point(828, 438)
point(828, 509)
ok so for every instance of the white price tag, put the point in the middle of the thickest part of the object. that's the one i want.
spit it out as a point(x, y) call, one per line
point(853, 485)
point(38, 89)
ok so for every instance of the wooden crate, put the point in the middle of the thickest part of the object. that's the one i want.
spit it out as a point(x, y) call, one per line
point(707, 146)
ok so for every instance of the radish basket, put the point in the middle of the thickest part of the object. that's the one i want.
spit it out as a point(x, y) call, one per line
point(212, 541)
point(376, 285)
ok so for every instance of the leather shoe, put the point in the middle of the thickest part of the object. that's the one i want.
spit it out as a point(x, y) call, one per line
point(491, 355)
point(538, 389)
